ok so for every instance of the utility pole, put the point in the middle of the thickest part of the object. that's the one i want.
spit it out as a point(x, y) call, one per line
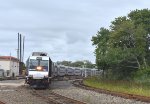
point(23, 48)
point(18, 47)
point(20, 51)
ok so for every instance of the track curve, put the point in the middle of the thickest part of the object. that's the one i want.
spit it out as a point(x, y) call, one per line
point(79, 83)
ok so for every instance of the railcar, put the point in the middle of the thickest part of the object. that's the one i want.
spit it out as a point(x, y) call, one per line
point(70, 71)
point(39, 70)
point(77, 72)
point(55, 71)
point(86, 72)
point(61, 71)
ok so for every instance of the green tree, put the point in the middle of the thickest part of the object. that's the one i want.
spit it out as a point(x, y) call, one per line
point(88, 64)
point(66, 63)
point(124, 48)
point(84, 63)
point(142, 18)
point(129, 44)
point(100, 41)
point(130, 39)
point(77, 64)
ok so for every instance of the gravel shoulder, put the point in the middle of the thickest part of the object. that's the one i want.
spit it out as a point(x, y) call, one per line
point(14, 92)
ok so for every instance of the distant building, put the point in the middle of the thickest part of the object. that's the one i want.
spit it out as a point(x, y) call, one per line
point(1, 73)
point(10, 65)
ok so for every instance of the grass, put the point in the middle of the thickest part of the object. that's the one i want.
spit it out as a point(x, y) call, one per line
point(119, 86)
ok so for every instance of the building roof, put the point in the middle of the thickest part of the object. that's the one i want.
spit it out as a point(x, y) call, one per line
point(8, 58)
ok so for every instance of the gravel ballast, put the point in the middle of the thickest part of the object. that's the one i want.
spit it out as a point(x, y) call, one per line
point(20, 94)
point(90, 97)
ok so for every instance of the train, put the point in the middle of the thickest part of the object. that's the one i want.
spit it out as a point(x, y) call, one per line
point(61, 70)
point(40, 70)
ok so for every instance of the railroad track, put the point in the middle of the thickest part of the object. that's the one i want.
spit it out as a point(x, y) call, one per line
point(53, 98)
point(79, 83)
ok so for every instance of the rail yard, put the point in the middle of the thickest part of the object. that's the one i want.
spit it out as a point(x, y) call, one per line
point(49, 83)
point(75, 52)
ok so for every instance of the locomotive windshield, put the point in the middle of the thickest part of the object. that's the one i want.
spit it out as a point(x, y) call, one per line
point(35, 63)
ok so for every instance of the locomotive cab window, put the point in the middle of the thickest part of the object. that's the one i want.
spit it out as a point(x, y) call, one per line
point(38, 65)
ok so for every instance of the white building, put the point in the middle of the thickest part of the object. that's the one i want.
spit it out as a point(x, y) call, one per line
point(10, 65)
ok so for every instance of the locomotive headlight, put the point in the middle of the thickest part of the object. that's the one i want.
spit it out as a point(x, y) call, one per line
point(39, 68)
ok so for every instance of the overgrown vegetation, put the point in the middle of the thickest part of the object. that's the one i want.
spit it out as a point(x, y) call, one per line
point(122, 51)
point(119, 86)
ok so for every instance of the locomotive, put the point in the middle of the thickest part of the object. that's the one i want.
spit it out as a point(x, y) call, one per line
point(39, 70)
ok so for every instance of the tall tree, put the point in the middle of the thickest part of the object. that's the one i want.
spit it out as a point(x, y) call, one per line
point(125, 47)
point(142, 18)
point(101, 43)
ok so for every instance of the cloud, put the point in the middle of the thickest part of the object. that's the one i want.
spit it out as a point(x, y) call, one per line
point(61, 28)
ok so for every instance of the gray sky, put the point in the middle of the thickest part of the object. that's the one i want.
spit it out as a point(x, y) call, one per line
point(63, 28)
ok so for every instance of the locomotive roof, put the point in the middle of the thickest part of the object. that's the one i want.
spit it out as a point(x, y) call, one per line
point(39, 54)
point(43, 57)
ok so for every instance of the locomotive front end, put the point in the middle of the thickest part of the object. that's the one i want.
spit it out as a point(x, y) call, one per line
point(38, 71)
